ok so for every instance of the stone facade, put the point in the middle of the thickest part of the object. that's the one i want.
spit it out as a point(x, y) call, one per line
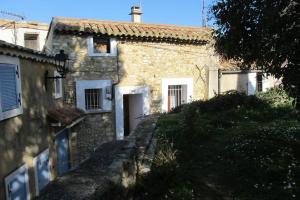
point(138, 63)
point(146, 64)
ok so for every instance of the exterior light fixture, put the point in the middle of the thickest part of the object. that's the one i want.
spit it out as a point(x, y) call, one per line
point(62, 66)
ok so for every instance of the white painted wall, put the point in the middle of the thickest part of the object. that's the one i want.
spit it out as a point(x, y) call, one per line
point(175, 81)
point(135, 110)
point(269, 82)
point(251, 83)
point(119, 92)
point(8, 36)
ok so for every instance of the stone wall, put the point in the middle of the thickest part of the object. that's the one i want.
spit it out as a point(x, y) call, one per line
point(111, 171)
point(99, 127)
point(138, 63)
point(146, 64)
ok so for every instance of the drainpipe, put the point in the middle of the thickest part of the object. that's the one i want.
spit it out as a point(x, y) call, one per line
point(118, 81)
point(219, 80)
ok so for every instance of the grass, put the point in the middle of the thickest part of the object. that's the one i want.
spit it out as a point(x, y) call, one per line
point(230, 147)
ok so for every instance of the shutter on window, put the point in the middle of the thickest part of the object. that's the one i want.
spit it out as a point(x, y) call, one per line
point(9, 96)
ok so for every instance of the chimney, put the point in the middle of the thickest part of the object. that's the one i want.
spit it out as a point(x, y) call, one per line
point(136, 14)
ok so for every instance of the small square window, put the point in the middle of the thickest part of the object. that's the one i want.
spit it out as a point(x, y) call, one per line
point(31, 41)
point(93, 99)
point(98, 46)
point(101, 45)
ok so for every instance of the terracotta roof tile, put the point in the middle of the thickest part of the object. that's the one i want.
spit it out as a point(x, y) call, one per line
point(26, 53)
point(117, 28)
point(65, 115)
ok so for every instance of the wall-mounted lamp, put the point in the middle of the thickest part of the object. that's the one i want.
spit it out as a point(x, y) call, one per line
point(62, 66)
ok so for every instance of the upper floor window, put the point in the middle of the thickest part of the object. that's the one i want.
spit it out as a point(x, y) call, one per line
point(102, 46)
point(10, 91)
point(31, 40)
point(57, 86)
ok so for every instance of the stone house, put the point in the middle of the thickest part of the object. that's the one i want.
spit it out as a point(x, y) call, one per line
point(36, 128)
point(27, 34)
point(122, 71)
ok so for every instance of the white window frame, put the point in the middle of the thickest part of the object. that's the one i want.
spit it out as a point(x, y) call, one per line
point(113, 48)
point(105, 85)
point(19, 110)
point(11, 176)
point(57, 95)
point(37, 189)
point(175, 81)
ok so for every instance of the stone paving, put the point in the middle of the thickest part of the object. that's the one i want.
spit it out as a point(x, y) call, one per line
point(110, 171)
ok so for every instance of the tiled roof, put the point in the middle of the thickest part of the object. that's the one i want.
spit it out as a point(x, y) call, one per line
point(23, 24)
point(132, 30)
point(233, 65)
point(65, 115)
point(26, 53)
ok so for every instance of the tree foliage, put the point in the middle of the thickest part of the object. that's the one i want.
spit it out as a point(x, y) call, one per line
point(264, 33)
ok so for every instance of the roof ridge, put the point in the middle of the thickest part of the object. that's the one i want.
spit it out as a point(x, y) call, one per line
point(86, 20)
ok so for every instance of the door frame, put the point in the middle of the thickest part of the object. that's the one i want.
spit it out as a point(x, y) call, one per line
point(11, 176)
point(37, 189)
point(175, 81)
point(119, 92)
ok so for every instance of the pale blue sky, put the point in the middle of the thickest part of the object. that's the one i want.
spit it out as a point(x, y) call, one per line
point(181, 12)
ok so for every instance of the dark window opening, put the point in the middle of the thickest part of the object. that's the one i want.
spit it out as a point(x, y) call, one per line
point(101, 45)
point(93, 99)
point(259, 81)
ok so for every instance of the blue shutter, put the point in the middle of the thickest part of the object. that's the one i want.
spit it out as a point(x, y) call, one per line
point(8, 87)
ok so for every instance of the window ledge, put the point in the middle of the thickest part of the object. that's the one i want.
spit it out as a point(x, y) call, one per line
point(97, 111)
point(57, 97)
point(102, 55)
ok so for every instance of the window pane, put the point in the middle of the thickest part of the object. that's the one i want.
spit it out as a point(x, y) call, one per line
point(93, 99)
point(101, 45)
point(177, 95)
point(259, 79)
point(8, 87)
point(57, 86)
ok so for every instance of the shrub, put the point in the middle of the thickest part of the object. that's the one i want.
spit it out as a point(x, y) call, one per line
point(276, 97)
point(264, 162)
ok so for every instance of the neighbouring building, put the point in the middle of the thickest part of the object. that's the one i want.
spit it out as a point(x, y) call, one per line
point(122, 71)
point(36, 128)
point(27, 34)
point(232, 77)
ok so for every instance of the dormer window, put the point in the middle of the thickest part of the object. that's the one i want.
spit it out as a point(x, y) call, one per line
point(101, 45)
point(98, 46)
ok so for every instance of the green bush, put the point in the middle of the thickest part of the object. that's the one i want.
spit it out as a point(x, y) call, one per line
point(264, 161)
point(232, 146)
point(276, 97)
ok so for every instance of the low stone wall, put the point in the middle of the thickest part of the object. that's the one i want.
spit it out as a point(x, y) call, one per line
point(111, 172)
